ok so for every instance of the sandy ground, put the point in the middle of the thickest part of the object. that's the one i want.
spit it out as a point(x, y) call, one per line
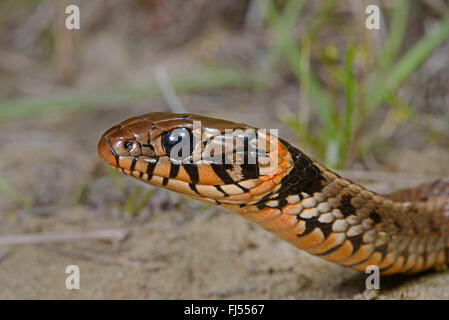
point(176, 248)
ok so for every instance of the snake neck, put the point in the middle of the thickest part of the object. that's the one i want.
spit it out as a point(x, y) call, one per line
point(324, 214)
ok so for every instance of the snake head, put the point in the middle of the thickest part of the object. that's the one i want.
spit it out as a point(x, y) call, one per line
point(212, 160)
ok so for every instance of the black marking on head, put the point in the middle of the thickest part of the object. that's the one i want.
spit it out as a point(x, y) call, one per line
point(133, 164)
point(150, 168)
point(241, 205)
point(375, 217)
point(164, 181)
point(193, 187)
point(220, 190)
point(220, 171)
point(192, 171)
point(174, 169)
point(304, 177)
point(148, 145)
point(260, 205)
point(345, 206)
point(242, 187)
point(217, 202)
point(250, 171)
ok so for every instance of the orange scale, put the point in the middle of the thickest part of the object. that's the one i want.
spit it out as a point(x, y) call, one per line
point(396, 267)
point(234, 208)
point(180, 186)
point(156, 180)
point(183, 175)
point(155, 135)
point(266, 178)
point(292, 209)
point(263, 215)
point(309, 240)
point(341, 253)
point(207, 200)
point(418, 266)
point(282, 222)
point(207, 175)
point(140, 130)
point(284, 165)
point(388, 260)
point(361, 254)
point(162, 168)
point(374, 260)
point(136, 174)
point(125, 161)
point(130, 121)
point(441, 259)
point(141, 165)
point(247, 209)
point(332, 240)
point(262, 188)
point(277, 179)
point(243, 197)
point(292, 234)
point(410, 263)
point(430, 261)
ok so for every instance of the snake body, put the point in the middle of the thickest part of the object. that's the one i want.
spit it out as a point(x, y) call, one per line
point(284, 191)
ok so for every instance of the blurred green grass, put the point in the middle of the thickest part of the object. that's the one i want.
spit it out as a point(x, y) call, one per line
point(339, 123)
point(210, 79)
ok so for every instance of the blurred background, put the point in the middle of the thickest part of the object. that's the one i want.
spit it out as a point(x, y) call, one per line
point(371, 104)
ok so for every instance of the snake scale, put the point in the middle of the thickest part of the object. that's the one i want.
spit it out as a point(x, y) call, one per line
point(284, 191)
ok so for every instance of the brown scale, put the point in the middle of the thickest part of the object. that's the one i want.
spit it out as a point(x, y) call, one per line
point(298, 199)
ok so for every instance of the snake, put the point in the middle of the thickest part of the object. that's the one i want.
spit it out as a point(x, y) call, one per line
point(255, 174)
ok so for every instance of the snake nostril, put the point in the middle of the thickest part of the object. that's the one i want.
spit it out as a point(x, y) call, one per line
point(129, 145)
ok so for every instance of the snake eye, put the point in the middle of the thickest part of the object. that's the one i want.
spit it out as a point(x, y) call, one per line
point(182, 139)
point(129, 145)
